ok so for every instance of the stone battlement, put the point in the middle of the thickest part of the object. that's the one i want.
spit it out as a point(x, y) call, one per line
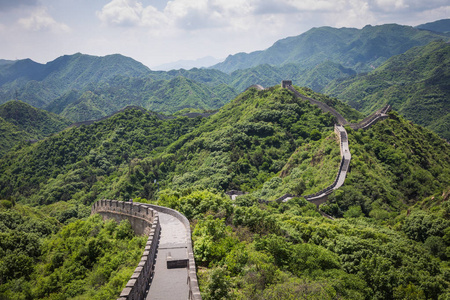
point(144, 221)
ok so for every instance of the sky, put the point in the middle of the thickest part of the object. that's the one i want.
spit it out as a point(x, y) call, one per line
point(155, 32)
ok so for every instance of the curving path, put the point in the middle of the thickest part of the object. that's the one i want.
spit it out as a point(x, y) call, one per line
point(340, 119)
point(170, 284)
point(322, 196)
point(167, 267)
point(175, 274)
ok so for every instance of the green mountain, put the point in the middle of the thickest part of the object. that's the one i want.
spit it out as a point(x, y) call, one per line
point(415, 83)
point(38, 84)
point(5, 62)
point(11, 136)
point(21, 122)
point(163, 96)
point(441, 26)
point(358, 49)
point(389, 240)
point(316, 77)
point(82, 87)
point(39, 123)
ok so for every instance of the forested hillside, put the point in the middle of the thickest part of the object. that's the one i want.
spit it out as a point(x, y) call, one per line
point(441, 26)
point(10, 136)
point(41, 258)
point(39, 123)
point(22, 122)
point(389, 240)
point(416, 83)
point(81, 87)
point(38, 84)
point(164, 96)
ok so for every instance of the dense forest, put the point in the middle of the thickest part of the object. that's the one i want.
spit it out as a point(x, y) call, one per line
point(22, 123)
point(389, 240)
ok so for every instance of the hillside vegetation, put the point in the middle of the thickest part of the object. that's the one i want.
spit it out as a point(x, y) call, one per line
point(41, 258)
point(10, 136)
point(390, 241)
point(39, 123)
point(164, 96)
point(416, 83)
point(441, 26)
point(20, 122)
point(38, 84)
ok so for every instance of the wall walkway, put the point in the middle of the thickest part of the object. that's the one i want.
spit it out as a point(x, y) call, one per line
point(322, 196)
point(167, 268)
point(143, 220)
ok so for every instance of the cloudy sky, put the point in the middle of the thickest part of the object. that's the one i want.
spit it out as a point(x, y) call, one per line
point(160, 31)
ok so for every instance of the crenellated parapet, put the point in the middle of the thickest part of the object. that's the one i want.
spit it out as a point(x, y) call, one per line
point(322, 195)
point(139, 215)
point(144, 221)
point(340, 119)
point(371, 120)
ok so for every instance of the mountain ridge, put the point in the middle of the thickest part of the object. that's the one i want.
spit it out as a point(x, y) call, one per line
point(414, 83)
point(338, 45)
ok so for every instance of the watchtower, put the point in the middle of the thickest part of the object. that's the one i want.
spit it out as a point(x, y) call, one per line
point(286, 83)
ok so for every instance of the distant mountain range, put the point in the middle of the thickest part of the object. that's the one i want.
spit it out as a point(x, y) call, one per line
point(360, 49)
point(441, 26)
point(82, 87)
point(39, 84)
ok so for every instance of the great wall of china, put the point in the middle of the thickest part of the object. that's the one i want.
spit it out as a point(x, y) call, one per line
point(169, 231)
point(166, 257)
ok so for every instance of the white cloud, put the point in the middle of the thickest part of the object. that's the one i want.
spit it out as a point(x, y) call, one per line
point(40, 20)
point(177, 14)
point(313, 5)
point(153, 18)
point(390, 5)
point(122, 13)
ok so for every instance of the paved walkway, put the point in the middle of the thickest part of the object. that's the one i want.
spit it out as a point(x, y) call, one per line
point(170, 284)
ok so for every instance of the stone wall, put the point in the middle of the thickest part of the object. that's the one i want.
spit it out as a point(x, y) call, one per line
point(286, 83)
point(372, 119)
point(340, 119)
point(255, 86)
point(194, 291)
point(144, 221)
